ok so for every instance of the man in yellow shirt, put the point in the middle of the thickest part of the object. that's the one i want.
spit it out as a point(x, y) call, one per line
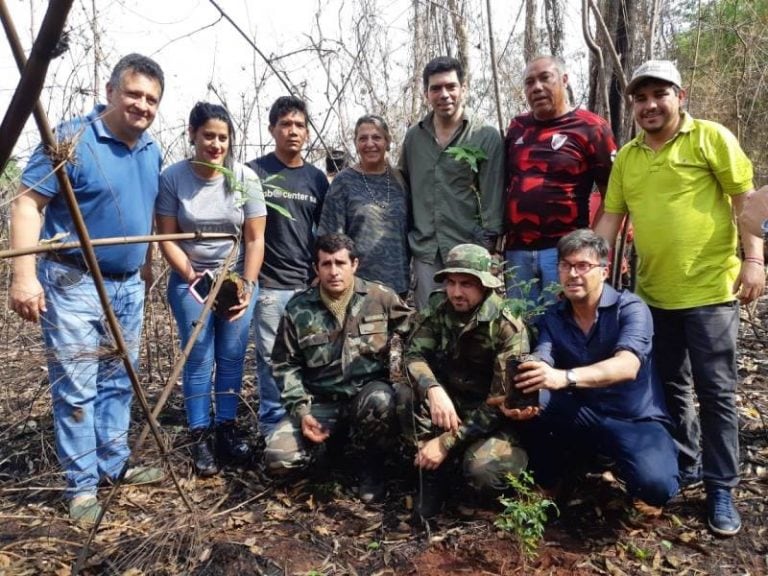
point(680, 180)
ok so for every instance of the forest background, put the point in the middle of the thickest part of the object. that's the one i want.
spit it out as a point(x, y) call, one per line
point(349, 57)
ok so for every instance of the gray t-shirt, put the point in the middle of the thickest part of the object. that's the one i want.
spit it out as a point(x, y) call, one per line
point(201, 205)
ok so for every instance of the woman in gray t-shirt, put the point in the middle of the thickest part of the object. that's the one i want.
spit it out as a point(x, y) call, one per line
point(211, 193)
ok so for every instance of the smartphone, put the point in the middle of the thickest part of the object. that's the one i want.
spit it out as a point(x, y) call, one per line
point(201, 287)
point(515, 397)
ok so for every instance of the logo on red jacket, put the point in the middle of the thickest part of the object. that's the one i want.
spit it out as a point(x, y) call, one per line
point(558, 140)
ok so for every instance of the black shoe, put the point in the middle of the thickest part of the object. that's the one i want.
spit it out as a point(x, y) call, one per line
point(202, 456)
point(431, 495)
point(372, 489)
point(229, 444)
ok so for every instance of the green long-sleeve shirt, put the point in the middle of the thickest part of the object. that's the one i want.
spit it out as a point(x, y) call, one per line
point(450, 203)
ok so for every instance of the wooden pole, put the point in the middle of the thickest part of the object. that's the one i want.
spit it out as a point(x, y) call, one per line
point(33, 71)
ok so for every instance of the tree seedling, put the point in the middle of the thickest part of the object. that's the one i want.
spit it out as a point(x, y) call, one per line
point(525, 514)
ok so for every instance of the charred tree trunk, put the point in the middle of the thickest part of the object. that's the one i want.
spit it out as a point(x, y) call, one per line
point(553, 12)
point(530, 41)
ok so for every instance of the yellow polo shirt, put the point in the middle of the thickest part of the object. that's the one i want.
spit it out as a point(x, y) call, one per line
point(679, 199)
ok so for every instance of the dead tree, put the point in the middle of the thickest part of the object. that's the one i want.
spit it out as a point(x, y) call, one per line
point(553, 16)
point(530, 41)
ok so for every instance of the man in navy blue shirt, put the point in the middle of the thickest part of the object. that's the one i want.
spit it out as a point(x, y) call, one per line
point(599, 391)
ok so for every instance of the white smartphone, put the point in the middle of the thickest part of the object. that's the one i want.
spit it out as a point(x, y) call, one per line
point(201, 287)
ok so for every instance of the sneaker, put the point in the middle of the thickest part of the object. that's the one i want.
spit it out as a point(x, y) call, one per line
point(229, 444)
point(139, 475)
point(84, 509)
point(135, 476)
point(722, 516)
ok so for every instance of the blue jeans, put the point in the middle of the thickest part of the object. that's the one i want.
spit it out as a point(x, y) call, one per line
point(566, 435)
point(695, 350)
point(218, 354)
point(528, 272)
point(89, 385)
point(269, 310)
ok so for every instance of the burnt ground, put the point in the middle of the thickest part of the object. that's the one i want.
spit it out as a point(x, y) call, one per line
point(242, 524)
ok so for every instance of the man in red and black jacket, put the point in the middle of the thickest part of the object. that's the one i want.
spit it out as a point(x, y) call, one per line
point(554, 157)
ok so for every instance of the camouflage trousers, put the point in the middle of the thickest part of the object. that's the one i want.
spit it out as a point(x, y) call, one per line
point(484, 463)
point(367, 423)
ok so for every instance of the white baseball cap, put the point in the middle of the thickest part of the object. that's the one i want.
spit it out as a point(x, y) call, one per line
point(664, 70)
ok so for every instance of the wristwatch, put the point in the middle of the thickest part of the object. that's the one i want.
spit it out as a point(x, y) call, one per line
point(570, 377)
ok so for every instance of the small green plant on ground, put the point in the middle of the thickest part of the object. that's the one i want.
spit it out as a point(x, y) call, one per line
point(525, 514)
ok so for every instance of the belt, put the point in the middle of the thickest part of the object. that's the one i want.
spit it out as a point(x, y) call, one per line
point(76, 261)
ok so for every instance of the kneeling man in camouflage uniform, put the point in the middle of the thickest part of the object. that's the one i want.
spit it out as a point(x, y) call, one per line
point(456, 360)
point(331, 360)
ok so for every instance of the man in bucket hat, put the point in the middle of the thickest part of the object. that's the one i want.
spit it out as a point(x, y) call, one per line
point(455, 360)
point(680, 180)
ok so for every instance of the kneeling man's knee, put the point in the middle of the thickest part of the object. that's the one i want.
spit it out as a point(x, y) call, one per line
point(487, 464)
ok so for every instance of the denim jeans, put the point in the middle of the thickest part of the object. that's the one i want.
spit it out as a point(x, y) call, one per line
point(695, 350)
point(523, 266)
point(216, 360)
point(89, 385)
point(566, 436)
point(269, 310)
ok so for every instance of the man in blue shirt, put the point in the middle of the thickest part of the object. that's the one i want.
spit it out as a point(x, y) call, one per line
point(114, 173)
point(599, 392)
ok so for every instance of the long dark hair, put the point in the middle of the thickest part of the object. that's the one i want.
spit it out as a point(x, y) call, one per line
point(204, 111)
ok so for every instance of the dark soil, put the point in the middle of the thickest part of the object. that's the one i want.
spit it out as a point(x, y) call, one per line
point(242, 524)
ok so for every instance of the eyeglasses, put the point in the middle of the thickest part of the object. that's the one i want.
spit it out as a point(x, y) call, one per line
point(580, 267)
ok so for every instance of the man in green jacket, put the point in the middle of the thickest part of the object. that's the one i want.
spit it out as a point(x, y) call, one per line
point(453, 165)
point(331, 360)
point(456, 360)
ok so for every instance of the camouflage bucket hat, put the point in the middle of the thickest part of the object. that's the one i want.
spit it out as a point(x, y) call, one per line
point(470, 259)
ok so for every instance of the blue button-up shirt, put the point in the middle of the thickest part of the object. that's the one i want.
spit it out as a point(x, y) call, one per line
point(624, 322)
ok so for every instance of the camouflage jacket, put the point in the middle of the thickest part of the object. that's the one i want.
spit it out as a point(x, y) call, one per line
point(316, 358)
point(467, 357)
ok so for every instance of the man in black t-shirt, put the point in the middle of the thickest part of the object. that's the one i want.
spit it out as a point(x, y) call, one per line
point(299, 188)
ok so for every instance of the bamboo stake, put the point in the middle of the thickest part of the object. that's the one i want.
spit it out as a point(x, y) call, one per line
point(117, 240)
point(179, 365)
